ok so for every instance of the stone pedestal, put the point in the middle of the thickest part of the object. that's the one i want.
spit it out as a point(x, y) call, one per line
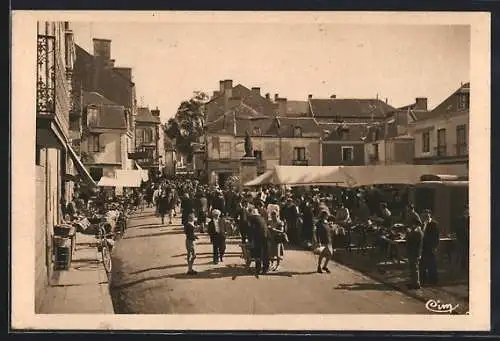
point(248, 169)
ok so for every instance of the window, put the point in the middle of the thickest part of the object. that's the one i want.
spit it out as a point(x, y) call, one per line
point(375, 155)
point(257, 154)
point(148, 136)
point(299, 153)
point(426, 142)
point(441, 142)
point(38, 156)
point(256, 131)
point(225, 150)
point(139, 137)
point(297, 132)
point(347, 153)
point(94, 145)
point(92, 114)
point(462, 140)
point(463, 102)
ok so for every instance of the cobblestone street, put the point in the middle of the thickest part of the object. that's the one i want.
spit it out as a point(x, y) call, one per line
point(149, 277)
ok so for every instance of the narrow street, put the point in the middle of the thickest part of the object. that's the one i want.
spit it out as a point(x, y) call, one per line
point(149, 277)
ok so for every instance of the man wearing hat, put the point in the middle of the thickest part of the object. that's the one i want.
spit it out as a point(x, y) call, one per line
point(258, 236)
point(430, 242)
point(414, 239)
point(217, 232)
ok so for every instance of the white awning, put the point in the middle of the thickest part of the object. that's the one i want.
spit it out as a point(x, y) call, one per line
point(301, 176)
point(80, 167)
point(107, 181)
point(128, 178)
point(144, 172)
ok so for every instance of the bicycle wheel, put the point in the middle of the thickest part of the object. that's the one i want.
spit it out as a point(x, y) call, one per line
point(106, 258)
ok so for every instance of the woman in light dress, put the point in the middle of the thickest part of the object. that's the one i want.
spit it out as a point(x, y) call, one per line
point(276, 235)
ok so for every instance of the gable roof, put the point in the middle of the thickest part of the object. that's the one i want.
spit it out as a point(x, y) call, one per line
point(144, 115)
point(297, 108)
point(109, 114)
point(308, 125)
point(354, 131)
point(216, 106)
point(349, 108)
point(451, 104)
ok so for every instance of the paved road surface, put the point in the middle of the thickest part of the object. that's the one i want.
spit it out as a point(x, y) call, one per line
point(149, 277)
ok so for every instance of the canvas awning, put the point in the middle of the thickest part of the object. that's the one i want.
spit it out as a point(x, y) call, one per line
point(128, 178)
point(352, 176)
point(107, 181)
point(80, 167)
point(301, 176)
point(397, 174)
point(144, 172)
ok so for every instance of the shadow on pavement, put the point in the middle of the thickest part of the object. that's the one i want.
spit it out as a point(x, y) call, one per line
point(200, 254)
point(153, 234)
point(233, 271)
point(146, 226)
point(164, 267)
point(364, 286)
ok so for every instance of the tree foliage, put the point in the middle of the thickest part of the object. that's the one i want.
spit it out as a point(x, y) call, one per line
point(188, 125)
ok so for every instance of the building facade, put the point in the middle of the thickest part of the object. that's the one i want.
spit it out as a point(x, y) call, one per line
point(442, 136)
point(107, 137)
point(57, 165)
point(148, 147)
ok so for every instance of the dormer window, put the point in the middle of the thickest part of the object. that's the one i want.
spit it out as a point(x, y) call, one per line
point(463, 101)
point(297, 132)
point(92, 114)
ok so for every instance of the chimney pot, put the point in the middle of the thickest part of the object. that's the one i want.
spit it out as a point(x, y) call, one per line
point(386, 100)
point(268, 96)
point(332, 96)
point(310, 96)
point(276, 96)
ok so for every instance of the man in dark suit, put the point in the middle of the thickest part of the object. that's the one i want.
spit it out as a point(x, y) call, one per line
point(428, 265)
point(414, 240)
point(217, 232)
point(258, 235)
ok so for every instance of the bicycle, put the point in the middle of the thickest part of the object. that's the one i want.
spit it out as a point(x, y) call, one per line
point(105, 246)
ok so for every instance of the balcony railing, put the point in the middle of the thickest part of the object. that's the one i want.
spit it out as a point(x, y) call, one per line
point(46, 74)
point(462, 149)
point(300, 162)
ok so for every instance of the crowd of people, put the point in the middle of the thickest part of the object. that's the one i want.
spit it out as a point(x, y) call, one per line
point(321, 219)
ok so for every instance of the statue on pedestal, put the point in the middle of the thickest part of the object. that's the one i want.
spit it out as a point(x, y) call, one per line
point(248, 145)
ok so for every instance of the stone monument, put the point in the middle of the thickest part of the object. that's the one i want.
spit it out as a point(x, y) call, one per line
point(248, 163)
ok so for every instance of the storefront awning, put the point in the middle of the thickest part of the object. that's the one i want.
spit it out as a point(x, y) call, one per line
point(128, 178)
point(80, 167)
point(107, 181)
point(144, 172)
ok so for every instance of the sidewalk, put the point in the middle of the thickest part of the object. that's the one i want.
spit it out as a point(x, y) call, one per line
point(82, 289)
point(453, 289)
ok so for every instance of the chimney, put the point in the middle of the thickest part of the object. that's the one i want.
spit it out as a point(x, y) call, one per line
point(102, 48)
point(282, 106)
point(155, 112)
point(221, 87)
point(233, 101)
point(276, 96)
point(268, 96)
point(309, 96)
point(228, 91)
point(126, 72)
point(256, 90)
point(421, 103)
point(333, 96)
point(386, 100)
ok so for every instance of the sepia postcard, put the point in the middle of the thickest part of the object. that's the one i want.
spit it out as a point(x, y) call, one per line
point(250, 171)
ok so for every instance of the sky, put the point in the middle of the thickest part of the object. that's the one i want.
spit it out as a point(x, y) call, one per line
point(170, 60)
